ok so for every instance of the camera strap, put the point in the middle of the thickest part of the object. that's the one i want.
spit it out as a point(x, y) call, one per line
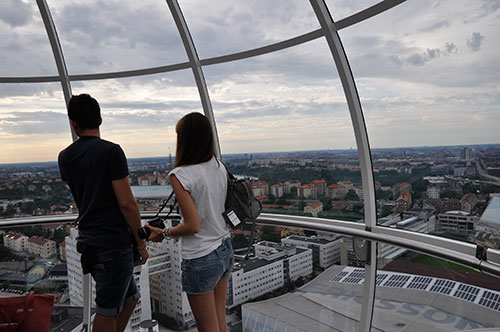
point(165, 204)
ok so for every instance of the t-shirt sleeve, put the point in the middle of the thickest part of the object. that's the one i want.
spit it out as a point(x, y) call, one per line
point(184, 178)
point(59, 163)
point(117, 165)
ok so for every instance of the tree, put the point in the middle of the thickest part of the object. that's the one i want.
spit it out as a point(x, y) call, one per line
point(59, 235)
point(352, 196)
point(450, 194)
point(239, 241)
point(7, 255)
point(269, 234)
point(281, 201)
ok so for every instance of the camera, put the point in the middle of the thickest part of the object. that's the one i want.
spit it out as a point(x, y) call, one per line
point(144, 232)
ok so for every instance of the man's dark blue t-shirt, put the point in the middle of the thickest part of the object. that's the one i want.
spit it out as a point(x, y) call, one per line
point(89, 166)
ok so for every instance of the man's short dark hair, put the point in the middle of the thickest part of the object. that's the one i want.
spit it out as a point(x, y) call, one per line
point(85, 111)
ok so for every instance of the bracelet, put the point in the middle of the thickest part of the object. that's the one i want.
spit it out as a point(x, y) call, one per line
point(166, 233)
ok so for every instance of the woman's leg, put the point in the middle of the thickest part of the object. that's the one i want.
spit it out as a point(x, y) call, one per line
point(205, 314)
point(220, 304)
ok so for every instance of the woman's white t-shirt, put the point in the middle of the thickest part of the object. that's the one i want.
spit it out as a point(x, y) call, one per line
point(207, 184)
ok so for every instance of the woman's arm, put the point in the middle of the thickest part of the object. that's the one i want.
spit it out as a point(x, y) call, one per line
point(191, 220)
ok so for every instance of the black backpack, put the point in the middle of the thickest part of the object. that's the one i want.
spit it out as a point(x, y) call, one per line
point(241, 205)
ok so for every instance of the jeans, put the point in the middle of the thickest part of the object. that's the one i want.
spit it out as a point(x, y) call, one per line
point(201, 275)
point(114, 280)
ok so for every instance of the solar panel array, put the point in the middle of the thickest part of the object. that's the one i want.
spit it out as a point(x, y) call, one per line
point(420, 282)
point(397, 280)
point(443, 286)
point(490, 300)
point(355, 277)
point(477, 295)
point(339, 276)
point(467, 292)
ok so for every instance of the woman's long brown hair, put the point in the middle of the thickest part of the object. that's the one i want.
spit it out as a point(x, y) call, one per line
point(195, 140)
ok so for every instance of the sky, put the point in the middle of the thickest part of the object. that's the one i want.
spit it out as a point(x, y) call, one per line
point(427, 73)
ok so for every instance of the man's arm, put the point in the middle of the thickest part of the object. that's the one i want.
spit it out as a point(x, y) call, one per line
point(130, 212)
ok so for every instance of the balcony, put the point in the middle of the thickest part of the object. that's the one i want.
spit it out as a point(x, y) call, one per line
point(366, 126)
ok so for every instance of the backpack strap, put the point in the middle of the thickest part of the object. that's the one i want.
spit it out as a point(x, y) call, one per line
point(165, 204)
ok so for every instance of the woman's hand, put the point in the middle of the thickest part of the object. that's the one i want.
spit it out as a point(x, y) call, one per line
point(156, 234)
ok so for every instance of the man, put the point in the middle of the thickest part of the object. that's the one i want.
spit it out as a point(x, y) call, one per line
point(108, 217)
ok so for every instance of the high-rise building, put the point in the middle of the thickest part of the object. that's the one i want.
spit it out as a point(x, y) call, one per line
point(168, 297)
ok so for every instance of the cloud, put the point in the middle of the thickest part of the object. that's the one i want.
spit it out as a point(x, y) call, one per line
point(34, 123)
point(436, 26)
point(15, 13)
point(474, 44)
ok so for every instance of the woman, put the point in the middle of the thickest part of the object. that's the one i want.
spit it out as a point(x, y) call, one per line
point(199, 181)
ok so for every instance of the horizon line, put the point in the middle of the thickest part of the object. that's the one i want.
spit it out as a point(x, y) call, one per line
point(271, 152)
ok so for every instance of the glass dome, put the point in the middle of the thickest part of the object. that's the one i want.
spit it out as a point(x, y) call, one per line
point(369, 127)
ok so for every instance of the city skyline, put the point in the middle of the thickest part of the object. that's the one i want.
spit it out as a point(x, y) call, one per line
point(426, 72)
point(258, 153)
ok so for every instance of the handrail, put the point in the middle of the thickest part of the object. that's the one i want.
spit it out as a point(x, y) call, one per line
point(450, 250)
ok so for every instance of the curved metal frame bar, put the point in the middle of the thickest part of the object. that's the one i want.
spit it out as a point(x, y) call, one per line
point(58, 53)
point(195, 64)
point(358, 123)
point(304, 38)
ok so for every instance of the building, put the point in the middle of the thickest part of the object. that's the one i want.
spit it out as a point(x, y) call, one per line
point(142, 310)
point(267, 271)
point(321, 185)
point(62, 251)
point(308, 191)
point(346, 184)
point(15, 241)
point(403, 202)
point(314, 208)
point(400, 188)
point(277, 190)
point(442, 205)
point(336, 191)
point(167, 295)
point(144, 180)
point(260, 188)
point(325, 250)
point(359, 192)
point(466, 154)
point(291, 184)
point(41, 247)
point(457, 222)
point(468, 202)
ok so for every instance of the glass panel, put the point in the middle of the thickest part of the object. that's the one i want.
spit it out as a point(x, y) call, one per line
point(235, 26)
point(340, 9)
point(282, 118)
point(25, 47)
point(33, 122)
point(105, 37)
point(140, 113)
point(431, 112)
point(322, 290)
point(418, 292)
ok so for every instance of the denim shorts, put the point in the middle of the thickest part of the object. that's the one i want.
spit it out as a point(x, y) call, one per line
point(114, 281)
point(201, 275)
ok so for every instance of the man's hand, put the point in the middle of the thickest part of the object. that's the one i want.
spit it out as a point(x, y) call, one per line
point(143, 256)
point(156, 234)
